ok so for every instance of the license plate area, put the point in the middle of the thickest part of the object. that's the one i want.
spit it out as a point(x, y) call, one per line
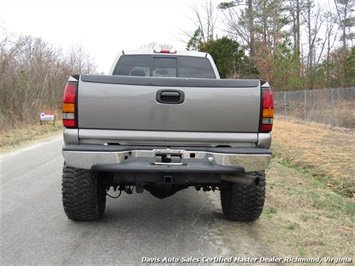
point(168, 157)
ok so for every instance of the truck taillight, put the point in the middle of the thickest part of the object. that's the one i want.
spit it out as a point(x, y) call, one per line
point(69, 105)
point(267, 115)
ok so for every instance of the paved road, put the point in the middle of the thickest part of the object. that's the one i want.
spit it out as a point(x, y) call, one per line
point(35, 230)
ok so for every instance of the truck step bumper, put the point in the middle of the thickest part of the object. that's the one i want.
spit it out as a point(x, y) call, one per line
point(143, 159)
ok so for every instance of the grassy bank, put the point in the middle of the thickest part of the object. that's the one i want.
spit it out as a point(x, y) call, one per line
point(310, 196)
point(326, 155)
point(18, 137)
point(309, 210)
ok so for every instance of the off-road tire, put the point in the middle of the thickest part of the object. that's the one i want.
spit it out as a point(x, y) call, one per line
point(84, 197)
point(243, 202)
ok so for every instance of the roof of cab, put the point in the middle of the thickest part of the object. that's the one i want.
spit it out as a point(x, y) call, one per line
point(165, 52)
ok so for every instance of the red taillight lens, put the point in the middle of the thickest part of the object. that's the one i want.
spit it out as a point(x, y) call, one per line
point(70, 92)
point(69, 105)
point(267, 111)
point(69, 123)
point(268, 101)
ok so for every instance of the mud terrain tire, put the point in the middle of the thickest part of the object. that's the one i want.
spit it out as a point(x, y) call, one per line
point(84, 198)
point(243, 202)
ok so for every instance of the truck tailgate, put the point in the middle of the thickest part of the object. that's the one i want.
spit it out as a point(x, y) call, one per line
point(168, 104)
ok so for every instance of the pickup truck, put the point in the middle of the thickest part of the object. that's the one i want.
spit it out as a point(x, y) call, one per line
point(163, 121)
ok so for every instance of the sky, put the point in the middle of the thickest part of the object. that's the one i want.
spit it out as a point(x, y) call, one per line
point(101, 27)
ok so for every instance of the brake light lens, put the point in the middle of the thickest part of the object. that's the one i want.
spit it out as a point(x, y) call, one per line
point(267, 118)
point(69, 105)
point(165, 51)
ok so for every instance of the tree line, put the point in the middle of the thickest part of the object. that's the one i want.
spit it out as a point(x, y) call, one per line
point(32, 77)
point(294, 44)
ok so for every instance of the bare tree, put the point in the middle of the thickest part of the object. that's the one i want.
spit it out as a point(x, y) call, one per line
point(346, 20)
point(205, 20)
point(79, 61)
point(154, 45)
point(257, 24)
point(331, 34)
point(32, 77)
point(294, 8)
point(239, 18)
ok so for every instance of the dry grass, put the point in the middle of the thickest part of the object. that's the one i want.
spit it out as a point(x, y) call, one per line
point(304, 218)
point(21, 136)
point(309, 183)
point(301, 218)
point(327, 155)
point(305, 215)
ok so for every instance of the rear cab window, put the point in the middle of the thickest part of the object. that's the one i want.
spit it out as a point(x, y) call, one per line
point(164, 66)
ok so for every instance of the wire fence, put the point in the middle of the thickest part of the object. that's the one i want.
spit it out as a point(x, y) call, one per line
point(335, 107)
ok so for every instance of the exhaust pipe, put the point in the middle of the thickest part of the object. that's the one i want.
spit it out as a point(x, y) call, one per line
point(242, 179)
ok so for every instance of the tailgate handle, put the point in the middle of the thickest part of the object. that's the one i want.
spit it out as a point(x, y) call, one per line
point(170, 96)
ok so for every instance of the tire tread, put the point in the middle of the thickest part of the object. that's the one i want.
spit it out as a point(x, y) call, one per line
point(243, 202)
point(83, 197)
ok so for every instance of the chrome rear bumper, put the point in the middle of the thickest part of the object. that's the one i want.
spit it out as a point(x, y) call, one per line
point(175, 159)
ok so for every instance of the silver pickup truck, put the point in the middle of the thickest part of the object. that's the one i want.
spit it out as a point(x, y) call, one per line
point(164, 121)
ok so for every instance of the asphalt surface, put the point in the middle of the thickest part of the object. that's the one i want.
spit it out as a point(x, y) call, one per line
point(135, 229)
